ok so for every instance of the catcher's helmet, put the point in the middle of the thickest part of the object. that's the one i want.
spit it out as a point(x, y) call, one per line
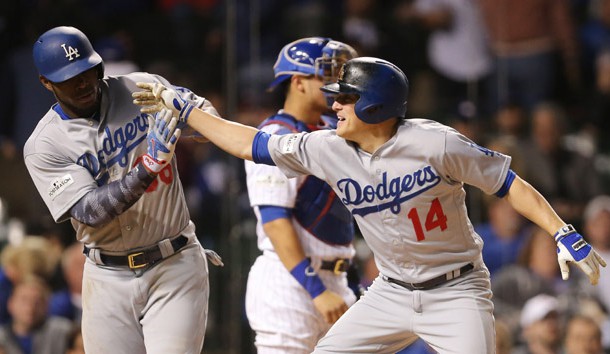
point(298, 58)
point(383, 88)
point(334, 55)
point(63, 52)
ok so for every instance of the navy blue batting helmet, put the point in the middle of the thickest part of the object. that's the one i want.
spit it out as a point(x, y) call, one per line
point(62, 53)
point(383, 88)
point(298, 58)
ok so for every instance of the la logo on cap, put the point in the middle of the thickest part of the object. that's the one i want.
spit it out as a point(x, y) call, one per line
point(70, 51)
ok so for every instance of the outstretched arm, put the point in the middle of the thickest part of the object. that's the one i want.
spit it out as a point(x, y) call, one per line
point(530, 203)
point(571, 247)
point(232, 137)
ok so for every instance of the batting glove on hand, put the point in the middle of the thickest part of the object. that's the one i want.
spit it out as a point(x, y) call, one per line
point(162, 138)
point(156, 97)
point(571, 247)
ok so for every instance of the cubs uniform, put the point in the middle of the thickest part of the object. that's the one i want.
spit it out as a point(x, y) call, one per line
point(138, 308)
point(408, 200)
point(279, 309)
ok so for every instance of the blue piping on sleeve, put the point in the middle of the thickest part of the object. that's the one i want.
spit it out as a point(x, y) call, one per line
point(260, 150)
point(270, 213)
point(510, 177)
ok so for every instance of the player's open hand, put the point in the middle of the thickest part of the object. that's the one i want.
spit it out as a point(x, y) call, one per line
point(162, 138)
point(156, 97)
point(571, 247)
point(330, 305)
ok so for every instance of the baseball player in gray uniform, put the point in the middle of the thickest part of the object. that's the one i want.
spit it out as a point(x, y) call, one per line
point(403, 182)
point(109, 169)
point(301, 222)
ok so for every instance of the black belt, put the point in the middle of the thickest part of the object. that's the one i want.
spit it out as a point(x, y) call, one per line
point(142, 258)
point(434, 282)
point(337, 266)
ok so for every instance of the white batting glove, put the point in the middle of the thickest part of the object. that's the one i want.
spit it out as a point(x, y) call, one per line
point(156, 97)
point(162, 138)
point(571, 247)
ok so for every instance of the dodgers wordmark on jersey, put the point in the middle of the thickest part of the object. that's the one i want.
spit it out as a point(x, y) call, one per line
point(67, 158)
point(407, 197)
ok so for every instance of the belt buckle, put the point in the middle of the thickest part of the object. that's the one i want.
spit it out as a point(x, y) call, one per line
point(338, 265)
point(132, 262)
point(417, 286)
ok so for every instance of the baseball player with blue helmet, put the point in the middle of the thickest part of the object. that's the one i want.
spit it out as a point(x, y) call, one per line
point(110, 170)
point(402, 180)
point(301, 222)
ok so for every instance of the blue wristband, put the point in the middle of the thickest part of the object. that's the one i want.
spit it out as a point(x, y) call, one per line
point(304, 274)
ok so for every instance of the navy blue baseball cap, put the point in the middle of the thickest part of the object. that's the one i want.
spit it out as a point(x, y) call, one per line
point(64, 52)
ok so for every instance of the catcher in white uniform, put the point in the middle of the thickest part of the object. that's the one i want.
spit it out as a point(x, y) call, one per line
point(99, 162)
point(301, 222)
point(403, 182)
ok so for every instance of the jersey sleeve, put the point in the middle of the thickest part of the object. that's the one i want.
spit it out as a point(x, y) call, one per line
point(267, 185)
point(298, 154)
point(61, 183)
point(472, 164)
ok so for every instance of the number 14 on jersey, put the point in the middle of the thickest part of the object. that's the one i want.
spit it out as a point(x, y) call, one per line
point(435, 217)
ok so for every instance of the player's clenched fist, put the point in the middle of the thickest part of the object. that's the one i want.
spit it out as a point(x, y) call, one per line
point(330, 305)
point(162, 138)
point(156, 97)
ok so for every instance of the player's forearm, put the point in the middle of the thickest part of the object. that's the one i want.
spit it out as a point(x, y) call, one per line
point(527, 201)
point(285, 242)
point(232, 137)
point(103, 204)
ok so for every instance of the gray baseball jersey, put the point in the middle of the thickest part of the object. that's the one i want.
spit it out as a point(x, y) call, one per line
point(267, 185)
point(407, 197)
point(162, 309)
point(67, 158)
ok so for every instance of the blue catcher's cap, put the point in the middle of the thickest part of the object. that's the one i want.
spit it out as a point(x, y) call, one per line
point(298, 58)
point(62, 53)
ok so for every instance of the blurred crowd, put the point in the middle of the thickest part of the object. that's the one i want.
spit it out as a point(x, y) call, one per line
point(528, 78)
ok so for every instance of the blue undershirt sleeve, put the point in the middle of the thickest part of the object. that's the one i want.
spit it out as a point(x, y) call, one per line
point(270, 213)
point(260, 150)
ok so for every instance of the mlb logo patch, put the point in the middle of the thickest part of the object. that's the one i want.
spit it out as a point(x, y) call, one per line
point(288, 146)
point(59, 185)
